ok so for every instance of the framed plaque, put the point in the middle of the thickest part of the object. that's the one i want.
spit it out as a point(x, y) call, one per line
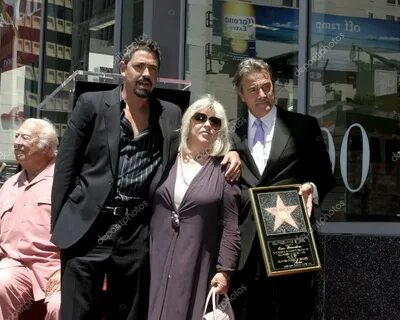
point(284, 230)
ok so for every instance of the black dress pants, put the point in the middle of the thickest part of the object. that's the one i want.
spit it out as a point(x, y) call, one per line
point(114, 249)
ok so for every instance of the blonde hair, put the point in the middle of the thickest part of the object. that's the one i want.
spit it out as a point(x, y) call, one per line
point(221, 144)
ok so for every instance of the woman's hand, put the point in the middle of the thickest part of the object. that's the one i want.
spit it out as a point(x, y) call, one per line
point(221, 282)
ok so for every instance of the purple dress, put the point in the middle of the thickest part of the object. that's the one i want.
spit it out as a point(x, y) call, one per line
point(183, 260)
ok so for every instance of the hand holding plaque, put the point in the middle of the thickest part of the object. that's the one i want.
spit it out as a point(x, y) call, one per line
point(284, 230)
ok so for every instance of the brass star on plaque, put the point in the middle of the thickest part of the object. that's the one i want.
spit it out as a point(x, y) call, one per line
point(282, 213)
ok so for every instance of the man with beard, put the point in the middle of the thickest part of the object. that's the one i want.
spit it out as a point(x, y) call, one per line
point(115, 147)
point(113, 154)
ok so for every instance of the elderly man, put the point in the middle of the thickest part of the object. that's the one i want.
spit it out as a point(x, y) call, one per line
point(29, 262)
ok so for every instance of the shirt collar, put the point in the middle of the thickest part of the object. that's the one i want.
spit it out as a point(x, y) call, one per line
point(267, 120)
point(46, 173)
point(152, 116)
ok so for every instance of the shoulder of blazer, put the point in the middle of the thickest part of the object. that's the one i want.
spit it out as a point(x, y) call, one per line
point(237, 129)
point(167, 107)
point(111, 97)
point(99, 99)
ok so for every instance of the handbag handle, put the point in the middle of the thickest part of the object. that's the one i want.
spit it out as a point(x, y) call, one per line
point(211, 294)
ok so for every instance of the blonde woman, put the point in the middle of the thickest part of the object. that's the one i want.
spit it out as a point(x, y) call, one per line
point(194, 237)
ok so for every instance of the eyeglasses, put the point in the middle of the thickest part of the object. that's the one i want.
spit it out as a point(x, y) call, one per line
point(214, 121)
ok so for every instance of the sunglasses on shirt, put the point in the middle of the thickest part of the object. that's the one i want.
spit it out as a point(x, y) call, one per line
point(201, 117)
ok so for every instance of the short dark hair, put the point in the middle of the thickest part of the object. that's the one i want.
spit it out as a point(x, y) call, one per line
point(141, 44)
point(250, 65)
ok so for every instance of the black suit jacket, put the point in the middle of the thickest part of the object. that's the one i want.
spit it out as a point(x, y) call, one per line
point(86, 165)
point(298, 155)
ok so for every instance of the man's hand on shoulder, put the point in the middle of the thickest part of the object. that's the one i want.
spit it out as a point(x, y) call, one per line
point(232, 160)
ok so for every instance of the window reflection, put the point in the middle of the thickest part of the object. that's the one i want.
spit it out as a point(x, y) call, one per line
point(237, 29)
point(354, 78)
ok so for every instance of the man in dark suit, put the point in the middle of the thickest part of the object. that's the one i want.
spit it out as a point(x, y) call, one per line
point(276, 147)
point(111, 158)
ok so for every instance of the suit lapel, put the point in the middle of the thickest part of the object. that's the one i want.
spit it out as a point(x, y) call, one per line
point(163, 122)
point(250, 171)
point(112, 122)
point(278, 145)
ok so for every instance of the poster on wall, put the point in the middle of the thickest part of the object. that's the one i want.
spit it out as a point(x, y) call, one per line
point(377, 34)
point(237, 26)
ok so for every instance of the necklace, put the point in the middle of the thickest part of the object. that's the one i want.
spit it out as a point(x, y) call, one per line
point(181, 168)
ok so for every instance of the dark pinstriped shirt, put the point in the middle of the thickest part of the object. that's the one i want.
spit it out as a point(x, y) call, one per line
point(139, 158)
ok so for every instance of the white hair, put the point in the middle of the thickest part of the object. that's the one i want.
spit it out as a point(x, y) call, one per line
point(46, 133)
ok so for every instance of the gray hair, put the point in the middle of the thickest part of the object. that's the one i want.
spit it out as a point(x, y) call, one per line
point(141, 44)
point(46, 133)
point(247, 66)
point(221, 144)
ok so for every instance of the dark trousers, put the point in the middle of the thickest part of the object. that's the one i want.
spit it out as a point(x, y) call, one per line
point(114, 249)
point(255, 296)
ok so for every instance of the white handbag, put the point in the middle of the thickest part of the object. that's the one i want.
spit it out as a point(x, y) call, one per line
point(223, 311)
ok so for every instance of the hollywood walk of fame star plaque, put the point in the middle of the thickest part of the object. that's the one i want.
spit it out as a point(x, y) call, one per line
point(284, 230)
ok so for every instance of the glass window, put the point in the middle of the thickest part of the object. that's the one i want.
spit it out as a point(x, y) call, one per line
point(132, 21)
point(390, 17)
point(20, 23)
point(234, 30)
point(287, 3)
point(354, 93)
point(79, 35)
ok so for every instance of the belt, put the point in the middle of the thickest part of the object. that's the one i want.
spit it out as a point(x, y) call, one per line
point(117, 211)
